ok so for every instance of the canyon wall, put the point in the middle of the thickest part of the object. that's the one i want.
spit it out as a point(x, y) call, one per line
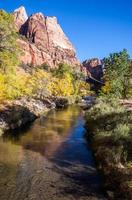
point(43, 40)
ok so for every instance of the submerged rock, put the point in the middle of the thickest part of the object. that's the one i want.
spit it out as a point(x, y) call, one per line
point(87, 102)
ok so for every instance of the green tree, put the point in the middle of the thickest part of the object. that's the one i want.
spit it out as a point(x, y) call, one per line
point(118, 72)
point(8, 45)
point(62, 70)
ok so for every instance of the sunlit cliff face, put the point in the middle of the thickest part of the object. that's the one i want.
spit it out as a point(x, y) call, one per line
point(46, 42)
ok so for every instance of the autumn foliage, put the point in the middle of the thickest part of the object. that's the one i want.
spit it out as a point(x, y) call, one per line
point(15, 82)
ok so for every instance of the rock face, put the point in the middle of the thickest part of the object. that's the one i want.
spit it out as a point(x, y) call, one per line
point(94, 71)
point(94, 68)
point(94, 62)
point(46, 42)
point(20, 17)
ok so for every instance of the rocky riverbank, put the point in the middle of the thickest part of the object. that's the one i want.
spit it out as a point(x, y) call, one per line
point(18, 113)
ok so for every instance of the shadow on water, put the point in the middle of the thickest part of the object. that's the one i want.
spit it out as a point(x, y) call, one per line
point(59, 138)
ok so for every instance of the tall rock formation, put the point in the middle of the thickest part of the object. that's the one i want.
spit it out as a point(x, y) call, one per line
point(94, 70)
point(46, 42)
point(20, 17)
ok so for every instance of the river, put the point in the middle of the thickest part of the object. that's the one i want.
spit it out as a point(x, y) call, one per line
point(50, 160)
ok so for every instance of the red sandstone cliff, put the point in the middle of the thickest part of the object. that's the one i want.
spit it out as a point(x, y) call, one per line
point(93, 67)
point(46, 42)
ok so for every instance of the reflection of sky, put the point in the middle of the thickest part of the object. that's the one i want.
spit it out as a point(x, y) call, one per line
point(74, 148)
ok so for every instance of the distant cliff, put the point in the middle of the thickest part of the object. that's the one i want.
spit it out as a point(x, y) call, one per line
point(94, 68)
point(45, 41)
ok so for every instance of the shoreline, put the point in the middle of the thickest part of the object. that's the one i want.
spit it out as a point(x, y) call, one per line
point(16, 114)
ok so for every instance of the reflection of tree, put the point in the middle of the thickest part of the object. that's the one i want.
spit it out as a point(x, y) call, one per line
point(47, 133)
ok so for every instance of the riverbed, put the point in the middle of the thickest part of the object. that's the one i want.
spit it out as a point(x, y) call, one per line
point(49, 160)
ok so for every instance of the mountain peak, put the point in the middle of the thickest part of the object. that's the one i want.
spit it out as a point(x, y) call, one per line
point(20, 16)
point(38, 16)
point(46, 41)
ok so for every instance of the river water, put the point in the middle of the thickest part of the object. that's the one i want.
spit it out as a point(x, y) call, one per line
point(50, 160)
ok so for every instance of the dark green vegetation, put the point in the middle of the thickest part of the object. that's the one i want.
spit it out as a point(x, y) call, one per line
point(109, 127)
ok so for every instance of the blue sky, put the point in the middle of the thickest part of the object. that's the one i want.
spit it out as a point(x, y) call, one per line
point(95, 27)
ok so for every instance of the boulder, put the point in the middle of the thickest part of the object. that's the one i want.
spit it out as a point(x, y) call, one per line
point(61, 102)
point(23, 111)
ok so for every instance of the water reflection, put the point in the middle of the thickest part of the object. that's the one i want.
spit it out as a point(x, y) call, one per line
point(47, 133)
point(49, 160)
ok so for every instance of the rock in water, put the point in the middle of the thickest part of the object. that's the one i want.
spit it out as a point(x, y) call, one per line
point(46, 42)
